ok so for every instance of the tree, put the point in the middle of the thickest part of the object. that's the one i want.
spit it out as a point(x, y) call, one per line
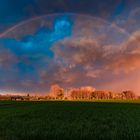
point(82, 93)
point(57, 92)
point(129, 94)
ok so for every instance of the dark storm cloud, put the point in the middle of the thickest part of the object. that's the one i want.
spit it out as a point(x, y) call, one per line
point(25, 58)
point(7, 59)
point(95, 57)
point(83, 57)
point(69, 52)
point(37, 57)
point(13, 11)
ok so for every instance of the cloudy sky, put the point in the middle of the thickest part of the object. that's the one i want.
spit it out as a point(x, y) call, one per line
point(69, 42)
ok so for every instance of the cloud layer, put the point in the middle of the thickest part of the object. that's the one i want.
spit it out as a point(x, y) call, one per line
point(71, 51)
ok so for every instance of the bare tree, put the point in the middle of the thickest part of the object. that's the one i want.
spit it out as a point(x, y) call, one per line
point(82, 93)
point(129, 94)
point(57, 92)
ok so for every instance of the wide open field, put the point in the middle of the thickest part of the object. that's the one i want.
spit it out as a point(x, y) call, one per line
point(69, 120)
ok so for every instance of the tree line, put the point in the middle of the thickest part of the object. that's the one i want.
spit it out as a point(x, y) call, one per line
point(87, 93)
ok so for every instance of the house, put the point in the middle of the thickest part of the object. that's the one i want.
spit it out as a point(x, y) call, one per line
point(21, 98)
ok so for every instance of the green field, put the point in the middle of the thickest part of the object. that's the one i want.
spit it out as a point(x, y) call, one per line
point(69, 120)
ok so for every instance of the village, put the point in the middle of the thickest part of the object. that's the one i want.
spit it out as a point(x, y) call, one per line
point(83, 93)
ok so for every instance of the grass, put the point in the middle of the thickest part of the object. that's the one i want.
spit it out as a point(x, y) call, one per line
point(50, 120)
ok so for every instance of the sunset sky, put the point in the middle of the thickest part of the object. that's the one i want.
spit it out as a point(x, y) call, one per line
point(72, 43)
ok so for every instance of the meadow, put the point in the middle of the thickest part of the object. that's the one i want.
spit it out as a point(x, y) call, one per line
point(51, 120)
